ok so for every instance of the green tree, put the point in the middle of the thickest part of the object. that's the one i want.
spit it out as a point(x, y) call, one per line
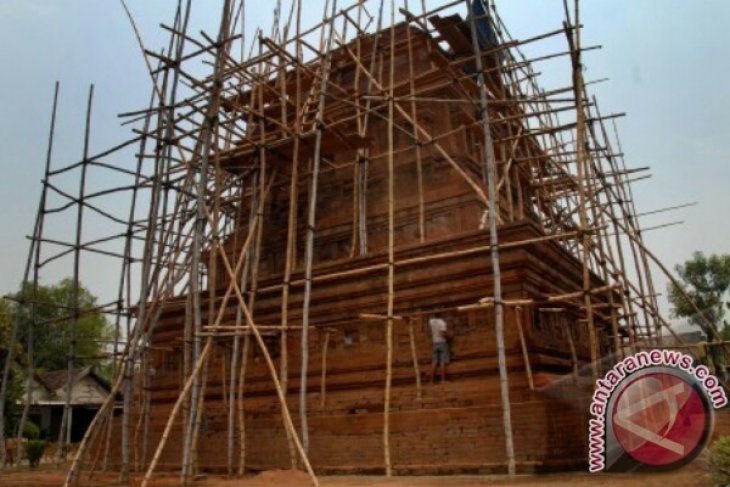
point(706, 281)
point(15, 384)
point(54, 308)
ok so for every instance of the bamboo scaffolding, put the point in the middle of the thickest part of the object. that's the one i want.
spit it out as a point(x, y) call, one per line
point(219, 140)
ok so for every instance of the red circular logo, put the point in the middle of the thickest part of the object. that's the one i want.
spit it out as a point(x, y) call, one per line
point(659, 419)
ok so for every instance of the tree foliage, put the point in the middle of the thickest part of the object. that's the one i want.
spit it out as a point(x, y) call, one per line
point(53, 307)
point(15, 384)
point(718, 460)
point(706, 281)
point(34, 451)
point(6, 323)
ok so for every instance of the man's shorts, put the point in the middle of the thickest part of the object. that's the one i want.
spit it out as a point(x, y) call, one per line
point(441, 353)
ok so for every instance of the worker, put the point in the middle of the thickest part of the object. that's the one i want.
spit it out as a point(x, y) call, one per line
point(440, 336)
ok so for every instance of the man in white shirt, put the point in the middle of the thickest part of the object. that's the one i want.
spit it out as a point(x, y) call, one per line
point(441, 353)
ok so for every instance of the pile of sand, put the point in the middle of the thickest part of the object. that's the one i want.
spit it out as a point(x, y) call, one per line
point(268, 478)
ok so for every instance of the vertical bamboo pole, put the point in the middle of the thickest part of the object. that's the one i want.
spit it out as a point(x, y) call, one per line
point(187, 350)
point(581, 164)
point(643, 274)
point(607, 257)
point(414, 357)
point(146, 287)
point(126, 267)
point(573, 354)
point(391, 257)
point(33, 257)
point(626, 303)
point(193, 467)
point(230, 434)
point(206, 135)
point(141, 343)
point(494, 243)
point(240, 407)
point(358, 120)
point(311, 222)
point(364, 155)
point(414, 116)
point(323, 378)
point(161, 186)
point(252, 221)
point(161, 190)
point(236, 349)
point(291, 240)
point(64, 435)
point(100, 451)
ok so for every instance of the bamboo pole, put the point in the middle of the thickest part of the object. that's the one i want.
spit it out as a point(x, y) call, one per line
point(573, 354)
point(40, 220)
point(240, 409)
point(323, 378)
point(193, 467)
point(32, 260)
point(358, 165)
point(253, 219)
point(124, 277)
point(291, 230)
point(419, 161)
point(364, 155)
point(309, 244)
point(493, 240)
point(64, 435)
point(391, 254)
point(414, 357)
point(581, 167)
point(523, 345)
point(209, 126)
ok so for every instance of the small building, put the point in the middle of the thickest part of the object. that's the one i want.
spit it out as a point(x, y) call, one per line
point(48, 398)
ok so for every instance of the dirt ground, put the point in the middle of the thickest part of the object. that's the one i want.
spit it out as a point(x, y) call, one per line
point(691, 476)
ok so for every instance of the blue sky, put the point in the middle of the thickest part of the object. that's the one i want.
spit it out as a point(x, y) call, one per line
point(667, 63)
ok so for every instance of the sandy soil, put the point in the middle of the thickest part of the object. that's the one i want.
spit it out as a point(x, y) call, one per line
point(690, 476)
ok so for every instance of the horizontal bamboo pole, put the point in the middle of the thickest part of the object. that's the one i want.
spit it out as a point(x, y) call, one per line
point(424, 259)
point(377, 317)
point(580, 294)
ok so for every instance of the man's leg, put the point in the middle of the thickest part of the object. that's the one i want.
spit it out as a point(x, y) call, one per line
point(445, 359)
point(435, 360)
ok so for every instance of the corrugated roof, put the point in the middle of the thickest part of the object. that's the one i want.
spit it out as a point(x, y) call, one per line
point(57, 379)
